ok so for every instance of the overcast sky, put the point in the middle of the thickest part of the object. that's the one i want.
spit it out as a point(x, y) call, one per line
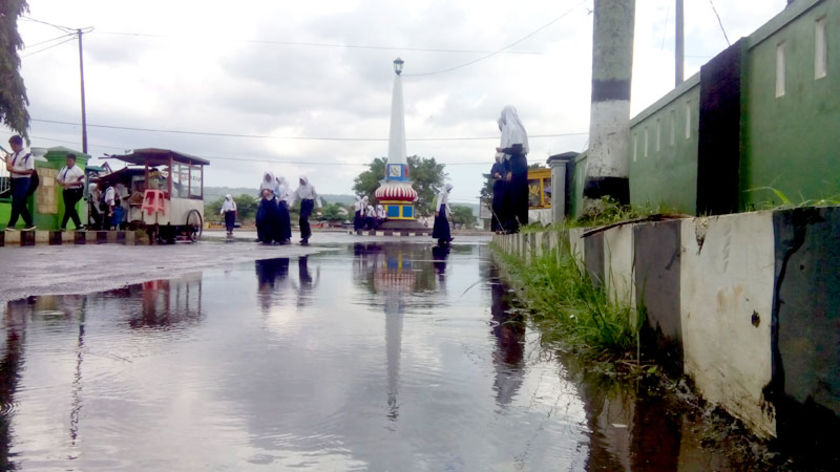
point(294, 68)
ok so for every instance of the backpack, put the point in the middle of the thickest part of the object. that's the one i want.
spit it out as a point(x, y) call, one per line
point(34, 181)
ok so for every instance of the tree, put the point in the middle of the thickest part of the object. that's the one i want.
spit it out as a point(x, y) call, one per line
point(426, 174)
point(13, 100)
point(333, 212)
point(463, 216)
point(246, 208)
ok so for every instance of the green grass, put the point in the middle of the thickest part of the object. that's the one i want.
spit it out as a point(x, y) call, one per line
point(570, 310)
point(780, 200)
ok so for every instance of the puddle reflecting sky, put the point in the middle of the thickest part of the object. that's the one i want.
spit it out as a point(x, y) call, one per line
point(373, 357)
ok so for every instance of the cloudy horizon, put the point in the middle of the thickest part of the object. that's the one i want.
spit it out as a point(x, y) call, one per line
point(275, 72)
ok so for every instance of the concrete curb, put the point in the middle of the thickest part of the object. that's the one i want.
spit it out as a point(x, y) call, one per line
point(60, 238)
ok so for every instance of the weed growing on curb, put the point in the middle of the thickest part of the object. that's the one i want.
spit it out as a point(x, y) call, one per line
point(571, 310)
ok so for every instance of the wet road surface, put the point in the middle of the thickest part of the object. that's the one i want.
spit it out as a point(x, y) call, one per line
point(377, 356)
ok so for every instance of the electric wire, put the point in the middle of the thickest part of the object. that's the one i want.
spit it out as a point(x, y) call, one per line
point(48, 47)
point(500, 50)
point(295, 138)
point(325, 45)
point(262, 159)
point(62, 28)
point(28, 46)
point(720, 22)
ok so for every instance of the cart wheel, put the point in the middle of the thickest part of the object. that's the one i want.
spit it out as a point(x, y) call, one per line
point(195, 225)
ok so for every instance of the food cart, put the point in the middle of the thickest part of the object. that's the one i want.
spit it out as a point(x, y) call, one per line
point(165, 193)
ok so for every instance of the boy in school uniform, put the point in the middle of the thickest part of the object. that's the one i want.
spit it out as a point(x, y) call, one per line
point(71, 179)
point(21, 166)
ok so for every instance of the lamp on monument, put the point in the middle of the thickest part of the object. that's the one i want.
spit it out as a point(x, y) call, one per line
point(398, 65)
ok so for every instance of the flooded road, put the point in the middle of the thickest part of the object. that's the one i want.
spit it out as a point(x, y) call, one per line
point(377, 356)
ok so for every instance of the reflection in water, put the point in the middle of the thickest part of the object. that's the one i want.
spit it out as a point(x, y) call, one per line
point(509, 330)
point(271, 277)
point(10, 367)
point(167, 375)
point(307, 284)
point(167, 302)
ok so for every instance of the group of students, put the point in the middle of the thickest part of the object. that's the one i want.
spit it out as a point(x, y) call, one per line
point(367, 217)
point(276, 198)
point(510, 175)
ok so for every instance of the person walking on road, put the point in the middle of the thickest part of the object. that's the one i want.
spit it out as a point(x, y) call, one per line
point(21, 166)
point(284, 219)
point(229, 212)
point(514, 144)
point(267, 231)
point(71, 179)
point(441, 231)
point(309, 200)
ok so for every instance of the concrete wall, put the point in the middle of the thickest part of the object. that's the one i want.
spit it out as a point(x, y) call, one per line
point(746, 305)
point(726, 301)
point(663, 150)
point(791, 142)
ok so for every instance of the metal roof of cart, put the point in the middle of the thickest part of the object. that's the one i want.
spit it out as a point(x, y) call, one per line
point(155, 157)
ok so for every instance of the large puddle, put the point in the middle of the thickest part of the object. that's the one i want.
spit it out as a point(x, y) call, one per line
point(373, 357)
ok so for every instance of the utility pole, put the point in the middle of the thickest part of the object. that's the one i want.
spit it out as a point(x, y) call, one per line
point(679, 49)
point(607, 165)
point(82, 81)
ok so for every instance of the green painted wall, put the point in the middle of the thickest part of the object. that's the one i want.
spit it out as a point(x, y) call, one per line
point(792, 143)
point(663, 156)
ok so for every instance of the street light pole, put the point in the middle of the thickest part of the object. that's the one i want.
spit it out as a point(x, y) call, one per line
point(82, 81)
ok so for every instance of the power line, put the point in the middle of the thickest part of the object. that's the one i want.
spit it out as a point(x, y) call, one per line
point(72, 38)
point(28, 46)
point(326, 45)
point(297, 138)
point(502, 49)
point(725, 36)
point(66, 29)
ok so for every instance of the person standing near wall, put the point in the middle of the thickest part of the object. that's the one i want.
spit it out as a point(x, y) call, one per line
point(498, 173)
point(309, 200)
point(71, 179)
point(515, 145)
point(441, 230)
point(229, 212)
point(21, 166)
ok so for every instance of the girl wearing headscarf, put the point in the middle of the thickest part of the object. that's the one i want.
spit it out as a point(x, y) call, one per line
point(267, 211)
point(440, 231)
point(370, 217)
point(309, 200)
point(359, 217)
point(284, 219)
point(515, 145)
point(380, 215)
point(498, 173)
point(229, 211)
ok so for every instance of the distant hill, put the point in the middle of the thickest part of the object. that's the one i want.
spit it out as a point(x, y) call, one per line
point(215, 193)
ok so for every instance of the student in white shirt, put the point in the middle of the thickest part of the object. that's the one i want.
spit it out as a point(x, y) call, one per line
point(309, 200)
point(21, 166)
point(71, 179)
point(110, 200)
